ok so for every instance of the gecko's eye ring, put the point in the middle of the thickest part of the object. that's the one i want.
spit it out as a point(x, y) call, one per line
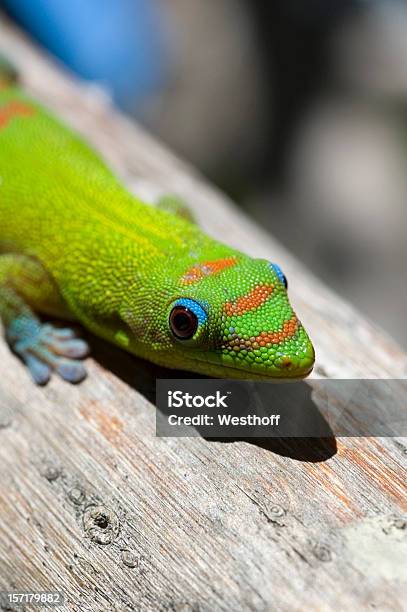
point(185, 318)
point(280, 274)
point(183, 322)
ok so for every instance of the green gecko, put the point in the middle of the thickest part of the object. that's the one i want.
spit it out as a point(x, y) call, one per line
point(75, 244)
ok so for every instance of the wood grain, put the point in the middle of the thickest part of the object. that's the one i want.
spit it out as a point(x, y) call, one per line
point(93, 504)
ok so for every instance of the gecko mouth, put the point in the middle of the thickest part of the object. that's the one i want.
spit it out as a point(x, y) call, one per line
point(278, 375)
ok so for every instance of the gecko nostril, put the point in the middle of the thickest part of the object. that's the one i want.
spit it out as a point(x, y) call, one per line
point(286, 363)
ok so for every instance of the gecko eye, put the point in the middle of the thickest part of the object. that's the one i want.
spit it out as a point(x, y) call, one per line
point(280, 274)
point(185, 318)
point(183, 322)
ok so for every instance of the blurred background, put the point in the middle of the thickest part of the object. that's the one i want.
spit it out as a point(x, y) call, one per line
point(298, 110)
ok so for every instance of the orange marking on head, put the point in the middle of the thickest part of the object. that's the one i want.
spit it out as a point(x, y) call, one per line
point(276, 337)
point(288, 330)
point(255, 298)
point(207, 268)
point(14, 109)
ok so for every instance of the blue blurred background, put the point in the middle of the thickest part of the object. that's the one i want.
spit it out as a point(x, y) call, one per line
point(119, 44)
point(298, 110)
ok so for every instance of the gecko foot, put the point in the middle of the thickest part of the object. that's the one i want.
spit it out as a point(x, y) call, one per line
point(45, 348)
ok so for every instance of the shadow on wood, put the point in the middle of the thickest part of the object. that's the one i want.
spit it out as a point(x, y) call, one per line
point(141, 375)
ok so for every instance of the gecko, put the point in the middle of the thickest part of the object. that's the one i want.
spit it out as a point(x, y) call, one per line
point(76, 245)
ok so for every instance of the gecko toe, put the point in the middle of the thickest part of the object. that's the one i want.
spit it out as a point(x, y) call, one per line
point(72, 349)
point(61, 333)
point(40, 372)
point(71, 371)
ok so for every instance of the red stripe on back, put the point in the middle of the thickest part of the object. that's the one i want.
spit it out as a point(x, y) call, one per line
point(14, 109)
point(207, 268)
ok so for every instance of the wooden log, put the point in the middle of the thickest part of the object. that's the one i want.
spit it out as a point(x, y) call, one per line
point(94, 505)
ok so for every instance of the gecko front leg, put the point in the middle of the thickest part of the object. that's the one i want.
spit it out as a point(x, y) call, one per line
point(25, 287)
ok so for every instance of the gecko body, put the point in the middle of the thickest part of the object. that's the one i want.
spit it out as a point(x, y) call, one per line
point(75, 244)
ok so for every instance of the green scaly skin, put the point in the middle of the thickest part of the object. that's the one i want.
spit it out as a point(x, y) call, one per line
point(74, 243)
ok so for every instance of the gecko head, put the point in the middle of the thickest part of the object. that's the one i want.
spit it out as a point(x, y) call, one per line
point(229, 318)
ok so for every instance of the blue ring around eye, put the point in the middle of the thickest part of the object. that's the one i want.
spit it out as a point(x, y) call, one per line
point(279, 273)
point(198, 311)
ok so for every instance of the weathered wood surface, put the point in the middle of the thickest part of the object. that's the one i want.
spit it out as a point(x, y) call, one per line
point(93, 504)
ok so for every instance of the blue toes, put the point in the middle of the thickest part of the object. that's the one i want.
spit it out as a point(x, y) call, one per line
point(40, 372)
point(74, 349)
point(62, 333)
point(71, 371)
point(44, 348)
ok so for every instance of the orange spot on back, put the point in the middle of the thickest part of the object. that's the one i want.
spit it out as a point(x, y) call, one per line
point(14, 109)
point(207, 268)
point(255, 298)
